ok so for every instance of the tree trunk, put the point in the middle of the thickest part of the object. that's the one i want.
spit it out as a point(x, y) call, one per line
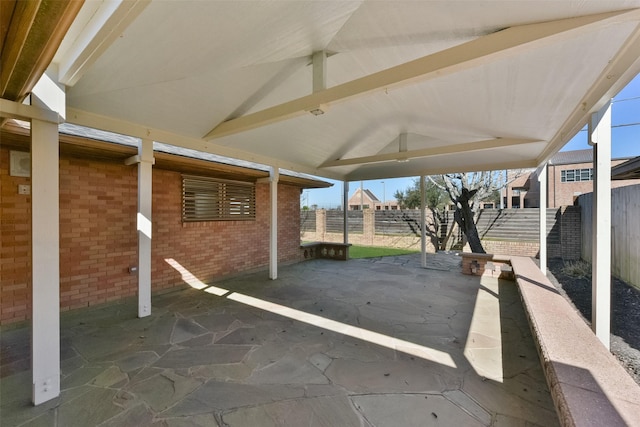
point(464, 218)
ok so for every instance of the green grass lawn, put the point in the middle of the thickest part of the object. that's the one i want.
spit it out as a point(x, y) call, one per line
point(373, 252)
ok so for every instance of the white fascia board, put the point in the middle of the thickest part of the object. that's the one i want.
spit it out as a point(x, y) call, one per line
point(96, 121)
point(103, 28)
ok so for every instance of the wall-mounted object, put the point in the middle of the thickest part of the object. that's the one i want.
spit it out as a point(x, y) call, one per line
point(20, 163)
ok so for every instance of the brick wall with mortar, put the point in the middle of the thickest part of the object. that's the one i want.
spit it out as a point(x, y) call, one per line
point(15, 248)
point(98, 240)
point(565, 193)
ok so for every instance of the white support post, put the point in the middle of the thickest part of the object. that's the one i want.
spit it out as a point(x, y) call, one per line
point(423, 225)
point(345, 209)
point(600, 138)
point(274, 176)
point(542, 179)
point(145, 196)
point(47, 98)
point(45, 261)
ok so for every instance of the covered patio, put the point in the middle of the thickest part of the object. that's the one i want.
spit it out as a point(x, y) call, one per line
point(346, 90)
point(379, 342)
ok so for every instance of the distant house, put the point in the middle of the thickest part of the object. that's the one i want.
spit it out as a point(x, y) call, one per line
point(365, 199)
point(569, 174)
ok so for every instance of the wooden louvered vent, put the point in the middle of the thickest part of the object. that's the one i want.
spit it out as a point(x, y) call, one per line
point(210, 199)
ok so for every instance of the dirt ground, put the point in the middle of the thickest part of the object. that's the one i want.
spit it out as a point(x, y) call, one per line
point(625, 309)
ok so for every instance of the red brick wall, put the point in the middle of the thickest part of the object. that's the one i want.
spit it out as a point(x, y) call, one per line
point(564, 193)
point(98, 240)
point(15, 245)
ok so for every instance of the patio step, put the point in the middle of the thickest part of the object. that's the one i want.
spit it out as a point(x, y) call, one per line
point(588, 385)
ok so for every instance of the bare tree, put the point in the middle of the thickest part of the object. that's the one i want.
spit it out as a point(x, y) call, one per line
point(466, 190)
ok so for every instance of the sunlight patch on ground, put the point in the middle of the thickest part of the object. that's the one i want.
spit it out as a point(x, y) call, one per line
point(407, 347)
point(483, 348)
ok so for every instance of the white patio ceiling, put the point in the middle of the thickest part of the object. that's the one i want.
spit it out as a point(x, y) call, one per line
point(484, 85)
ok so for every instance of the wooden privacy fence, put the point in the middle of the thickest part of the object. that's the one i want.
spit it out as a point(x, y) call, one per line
point(625, 232)
point(507, 231)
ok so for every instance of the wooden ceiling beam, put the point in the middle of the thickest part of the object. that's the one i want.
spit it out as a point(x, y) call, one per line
point(442, 150)
point(482, 50)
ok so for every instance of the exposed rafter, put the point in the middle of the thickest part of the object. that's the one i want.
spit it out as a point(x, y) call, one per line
point(104, 27)
point(479, 51)
point(429, 152)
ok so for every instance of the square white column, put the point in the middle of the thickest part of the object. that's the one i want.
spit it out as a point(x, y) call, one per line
point(600, 138)
point(144, 225)
point(45, 261)
point(274, 176)
point(542, 179)
point(345, 212)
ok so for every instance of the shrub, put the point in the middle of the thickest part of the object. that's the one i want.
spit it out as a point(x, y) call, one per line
point(579, 269)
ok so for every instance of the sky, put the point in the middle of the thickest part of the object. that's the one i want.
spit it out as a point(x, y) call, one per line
point(625, 142)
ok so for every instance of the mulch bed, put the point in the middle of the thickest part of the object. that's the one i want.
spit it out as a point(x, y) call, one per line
point(625, 312)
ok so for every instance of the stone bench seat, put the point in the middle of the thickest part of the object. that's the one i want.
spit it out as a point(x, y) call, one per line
point(588, 385)
point(328, 250)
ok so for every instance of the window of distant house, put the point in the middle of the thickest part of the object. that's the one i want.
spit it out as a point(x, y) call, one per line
point(210, 199)
point(576, 175)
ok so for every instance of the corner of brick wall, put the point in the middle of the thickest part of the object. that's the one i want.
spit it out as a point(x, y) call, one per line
point(570, 232)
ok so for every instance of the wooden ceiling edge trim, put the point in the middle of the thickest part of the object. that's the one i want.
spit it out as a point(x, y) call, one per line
point(625, 65)
point(55, 39)
point(20, 24)
point(460, 57)
point(59, 15)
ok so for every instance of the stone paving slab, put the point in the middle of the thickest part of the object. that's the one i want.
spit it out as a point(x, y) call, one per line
point(372, 343)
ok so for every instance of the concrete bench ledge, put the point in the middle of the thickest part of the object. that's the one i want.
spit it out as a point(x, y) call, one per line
point(329, 250)
point(588, 385)
point(489, 264)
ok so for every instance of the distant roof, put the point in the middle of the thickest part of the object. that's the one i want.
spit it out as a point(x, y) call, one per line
point(371, 196)
point(115, 138)
point(576, 156)
point(522, 181)
point(627, 170)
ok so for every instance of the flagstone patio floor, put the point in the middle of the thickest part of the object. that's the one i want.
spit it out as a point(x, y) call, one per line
point(377, 342)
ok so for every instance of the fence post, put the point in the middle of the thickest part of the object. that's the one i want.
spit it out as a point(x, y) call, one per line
point(321, 224)
point(368, 225)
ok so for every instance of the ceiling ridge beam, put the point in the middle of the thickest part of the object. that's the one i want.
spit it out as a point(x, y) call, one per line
point(96, 121)
point(461, 57)
point(430, 152)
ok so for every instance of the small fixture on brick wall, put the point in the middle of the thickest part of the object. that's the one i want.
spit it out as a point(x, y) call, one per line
point(475, 266)
point(133, 269)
